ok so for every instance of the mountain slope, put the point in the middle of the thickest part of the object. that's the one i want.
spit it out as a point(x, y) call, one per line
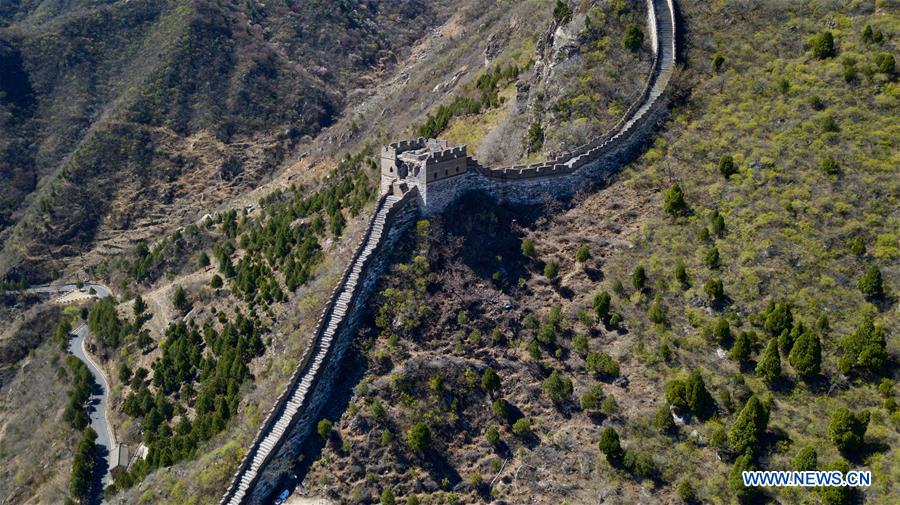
point(118, 90)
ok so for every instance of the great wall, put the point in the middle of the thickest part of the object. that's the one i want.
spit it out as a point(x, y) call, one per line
point(424, 176)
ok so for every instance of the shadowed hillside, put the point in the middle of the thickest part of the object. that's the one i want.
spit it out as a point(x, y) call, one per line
point(110, 110)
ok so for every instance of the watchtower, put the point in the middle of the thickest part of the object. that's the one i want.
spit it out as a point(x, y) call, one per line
point(421, 162)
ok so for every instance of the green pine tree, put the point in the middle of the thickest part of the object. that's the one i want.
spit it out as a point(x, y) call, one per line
point(769, 365)
point(747, 431)
point(806, 355)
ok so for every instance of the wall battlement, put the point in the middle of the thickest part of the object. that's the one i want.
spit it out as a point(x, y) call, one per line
point(410, 187)
point(581, 167)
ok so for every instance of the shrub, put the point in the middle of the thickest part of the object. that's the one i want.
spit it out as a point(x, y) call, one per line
point(551, 269)
point(847, 430)
point(676, 395)
point(681, 274)
point(591, 399)
point(823, 45)
point(203, 259)
point(663, 420)
point(778, 318)
point(580, 344)
point(865, 349)
point(747, 431)
point(857, 246)
point(387, 497)
point(638, 277)
point(522, 427)
point(618, 288)
point(743, 347)
point(583, 253)
point(492, 435)
point(377, 410)
point(885, 63)
point(634, 37)
point(601, 363)
point(557, 388)
point(726, 166)
point(500, 408)
point(528, 247)
point(673, 201)
point(609, 407)
point(806, 460)
point(656, 312)
point(490, 381)
point(718, 61)
point(714, 290)
point(712, 259)
point(418, 438)
point(836, 495)
point(699, 400)
point(784, 85)
point(562, 13)
point(535, 138)
point(215, 282)
point(769, 365)
point(806, 355)
point(179, 299)
point(546, 334)
point(871, 284)
point(686, 491)
point(828, 123)
point(640, 464)
point(324, 429)
point(830, 166)
point(610, 446)
point(743, 493)
point(722, 332)
point(602, 305)
point(718, 223)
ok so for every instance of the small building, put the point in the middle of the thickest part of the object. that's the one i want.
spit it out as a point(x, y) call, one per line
point(421, 163)
point(119, 459)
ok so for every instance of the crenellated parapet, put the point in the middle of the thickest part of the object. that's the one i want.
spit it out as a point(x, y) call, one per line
point(442, 173)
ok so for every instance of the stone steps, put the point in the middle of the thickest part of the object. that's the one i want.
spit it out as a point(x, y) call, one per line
point(280, 420)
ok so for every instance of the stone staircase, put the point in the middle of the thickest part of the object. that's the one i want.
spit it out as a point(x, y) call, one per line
point(291, 403)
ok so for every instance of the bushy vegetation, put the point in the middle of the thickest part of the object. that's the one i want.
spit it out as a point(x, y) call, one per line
point(200, 370)
point(81, 481)
point(483, 96)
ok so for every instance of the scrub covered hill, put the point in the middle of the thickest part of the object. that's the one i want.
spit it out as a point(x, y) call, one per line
point(115, 114)
point(727, 303)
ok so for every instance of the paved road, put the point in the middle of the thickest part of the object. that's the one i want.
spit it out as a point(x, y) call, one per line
point(102, 291)
point(106, 440)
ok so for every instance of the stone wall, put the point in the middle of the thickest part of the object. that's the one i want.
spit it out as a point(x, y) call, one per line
point(588, 165)
point(291, 420)
point(271, 456)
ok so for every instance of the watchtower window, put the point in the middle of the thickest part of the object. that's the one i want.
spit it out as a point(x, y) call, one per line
point(445, 172)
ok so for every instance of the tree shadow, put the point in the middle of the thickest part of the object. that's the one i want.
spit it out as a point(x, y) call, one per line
point(101, 467)
point(594, 274)
point(491, 240)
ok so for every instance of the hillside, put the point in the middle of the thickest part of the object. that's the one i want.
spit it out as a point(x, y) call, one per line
point(711, 308)
point(117, 114)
